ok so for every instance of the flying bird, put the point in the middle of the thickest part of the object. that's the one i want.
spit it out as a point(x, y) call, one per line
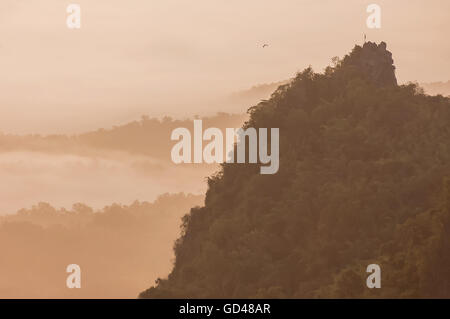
point(265, 45)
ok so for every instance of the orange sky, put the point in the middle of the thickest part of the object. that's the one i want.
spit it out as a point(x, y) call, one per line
point(181, 57)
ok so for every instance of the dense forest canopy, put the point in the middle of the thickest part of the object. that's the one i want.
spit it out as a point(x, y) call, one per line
point(362, 165)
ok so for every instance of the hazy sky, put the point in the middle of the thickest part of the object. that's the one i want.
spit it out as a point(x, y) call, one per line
point(180, 57)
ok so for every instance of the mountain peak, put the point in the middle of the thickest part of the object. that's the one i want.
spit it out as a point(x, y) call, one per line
point(373, 62)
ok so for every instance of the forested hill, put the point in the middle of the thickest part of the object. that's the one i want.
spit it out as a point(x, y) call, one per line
point(362, 168)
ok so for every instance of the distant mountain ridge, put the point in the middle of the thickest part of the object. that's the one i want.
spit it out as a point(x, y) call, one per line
point(260, 92)
point(146, 136)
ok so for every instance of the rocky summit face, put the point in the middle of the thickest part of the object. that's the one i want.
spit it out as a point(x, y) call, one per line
point(373, 62)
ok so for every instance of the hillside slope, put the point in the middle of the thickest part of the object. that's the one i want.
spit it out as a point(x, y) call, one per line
point(362, 164)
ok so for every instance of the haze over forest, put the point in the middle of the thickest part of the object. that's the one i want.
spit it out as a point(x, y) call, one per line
point(128, 60)
point(86, 117)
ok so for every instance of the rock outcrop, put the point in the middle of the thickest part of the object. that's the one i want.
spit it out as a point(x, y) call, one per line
point(373, 62)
